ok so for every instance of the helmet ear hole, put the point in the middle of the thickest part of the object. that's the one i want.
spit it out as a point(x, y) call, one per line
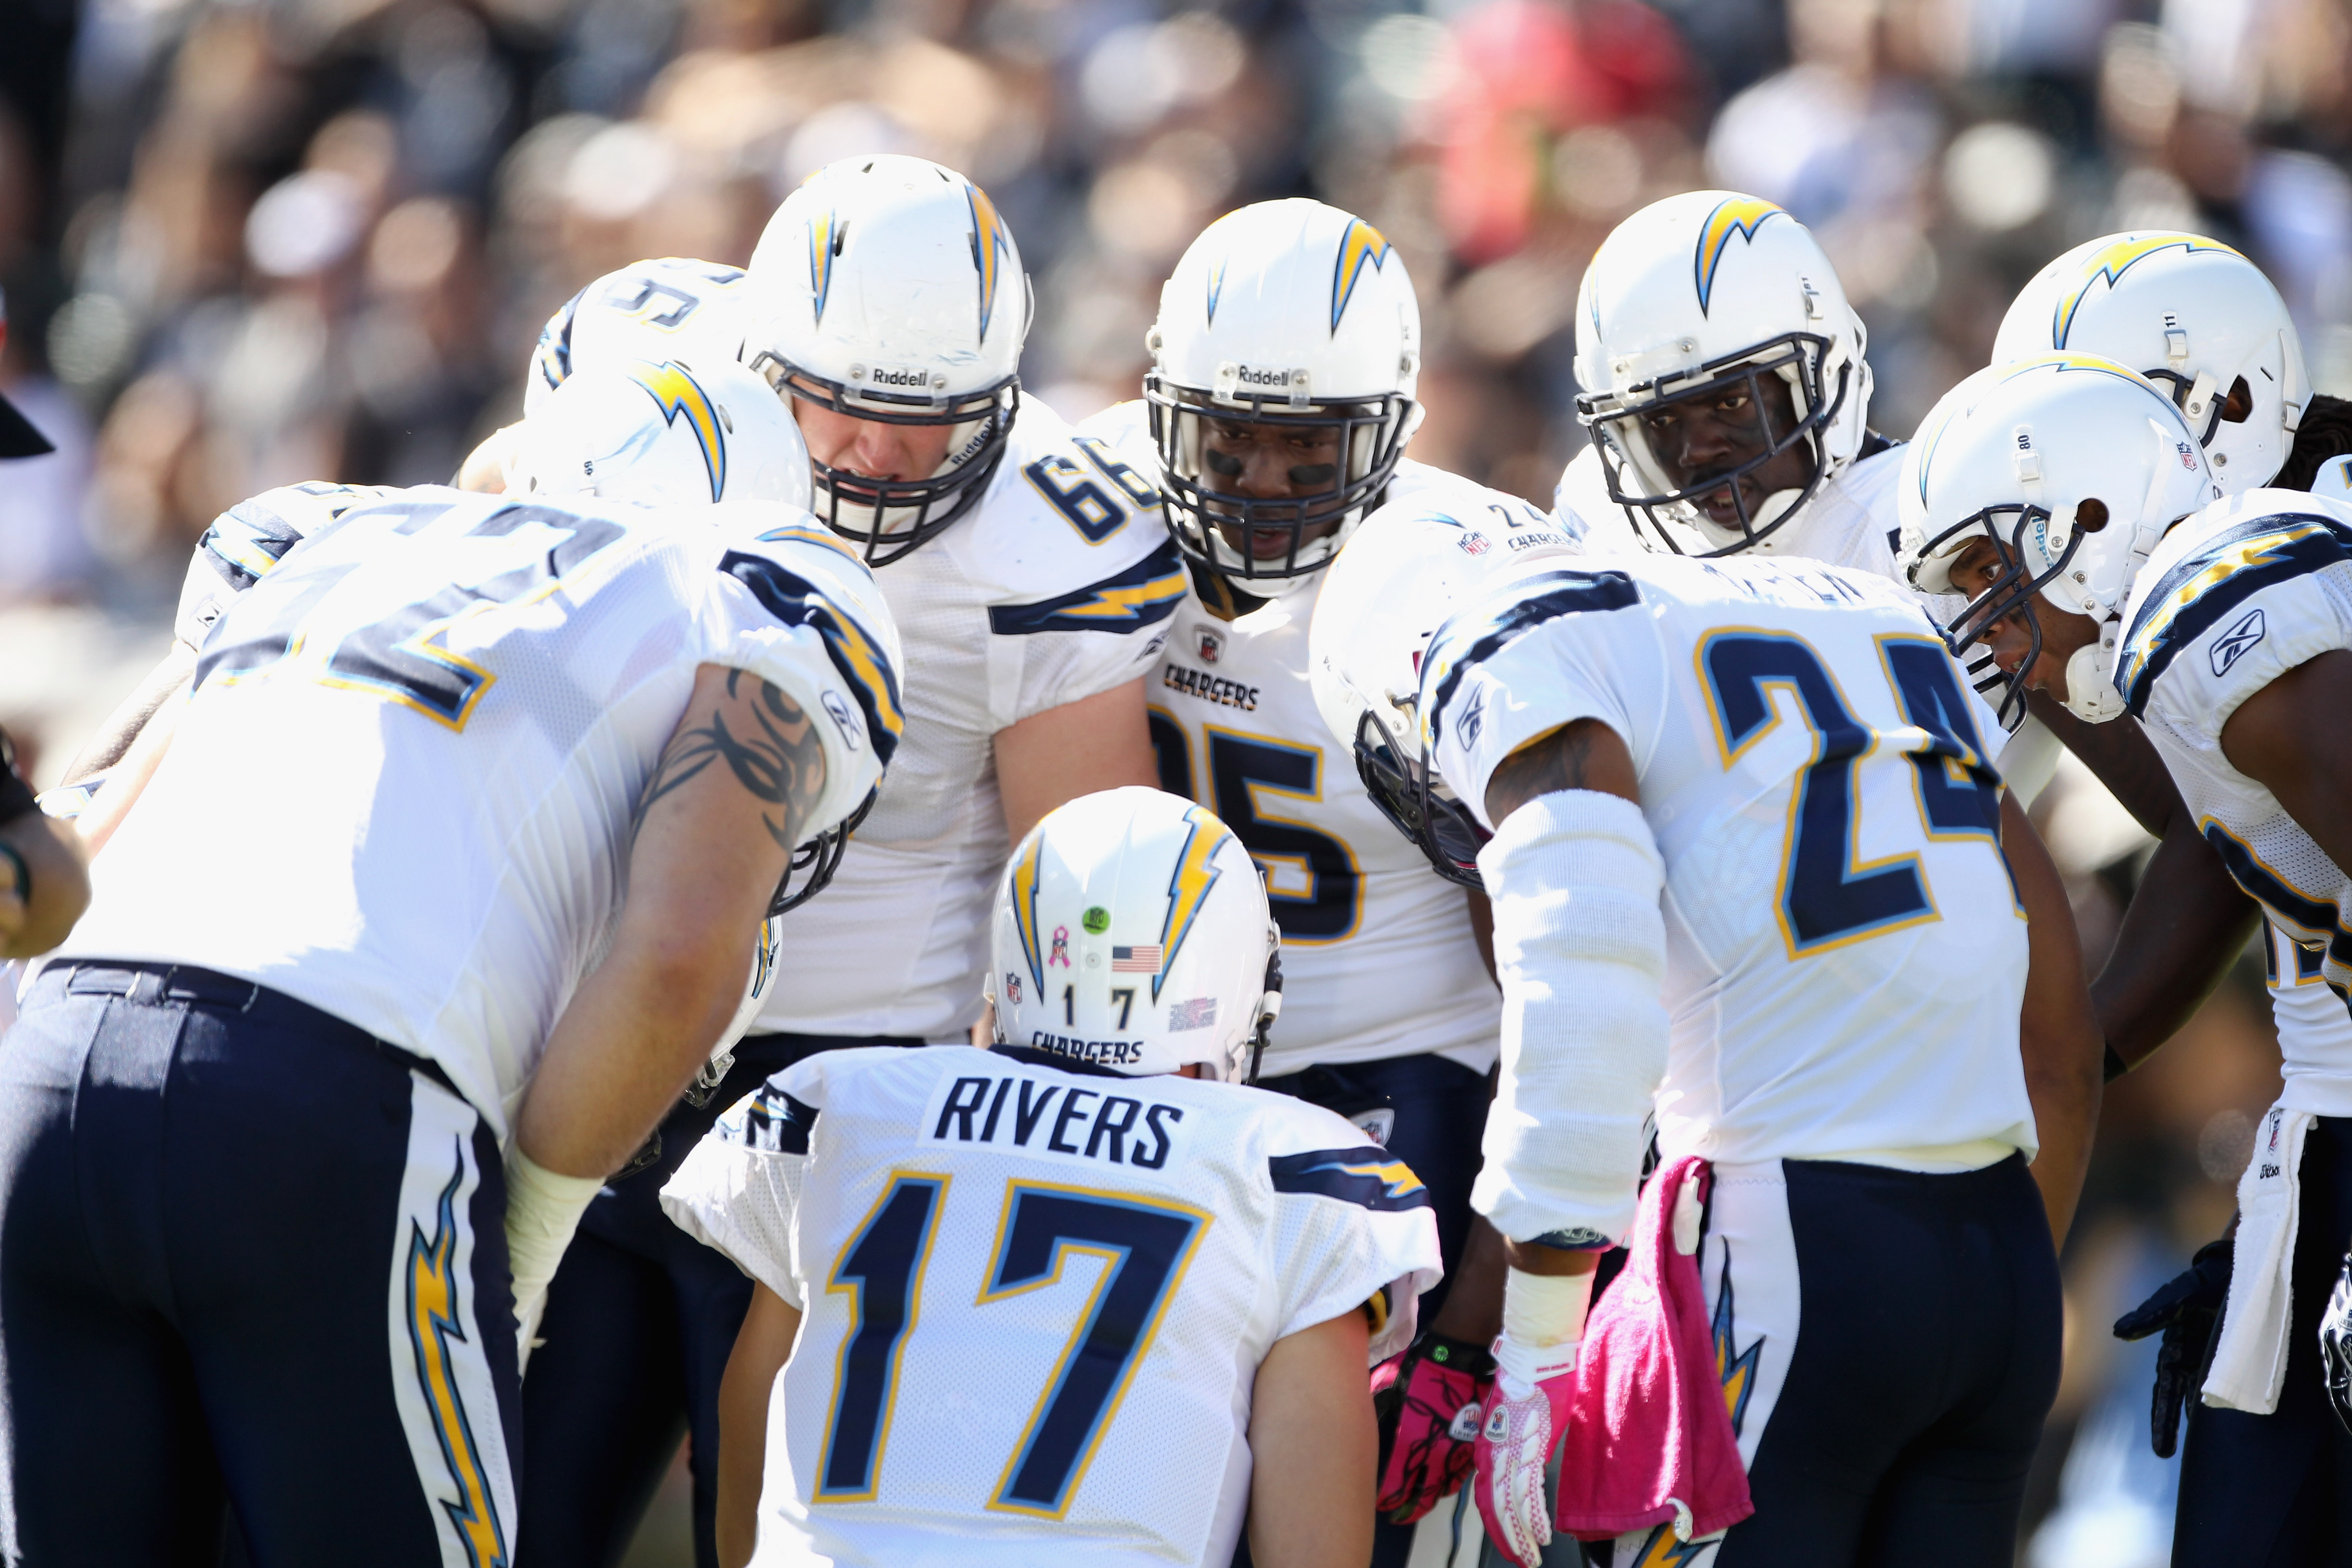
point(2091, 514)
point(2240, 406)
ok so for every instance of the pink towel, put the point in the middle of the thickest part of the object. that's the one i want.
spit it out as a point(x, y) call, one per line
point(1649, 1434)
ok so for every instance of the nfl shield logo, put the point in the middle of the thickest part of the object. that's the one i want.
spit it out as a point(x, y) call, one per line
point(1208, 643)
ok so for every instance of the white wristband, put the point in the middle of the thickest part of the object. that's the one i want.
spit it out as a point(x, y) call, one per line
point(1543, 1323)
point(543, 1211)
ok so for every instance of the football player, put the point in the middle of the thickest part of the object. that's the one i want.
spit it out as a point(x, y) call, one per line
point(2203, 324)
point(1032, 579)
point(1761, 783)
point(657, 311)
point(2073, 504)
point(1727, 393)
point(259, 1242)
point(1275, 421)
point(1727, 399)
point(1084, 1297)
point(244, 541)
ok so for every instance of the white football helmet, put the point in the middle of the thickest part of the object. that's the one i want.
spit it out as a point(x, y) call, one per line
point(1698, 296)
point(1288, 313)
point(1133, 933)
point(2014, 454)
point(2191, 314)
point(662, 435)
point(1380, 603)
point(888, 289)
point(673, 308)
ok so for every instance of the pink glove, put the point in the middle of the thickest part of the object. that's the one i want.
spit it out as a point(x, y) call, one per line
point(1428, 1401)
point(1525, 1420)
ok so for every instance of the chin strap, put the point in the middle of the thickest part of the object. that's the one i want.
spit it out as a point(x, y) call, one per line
point(2091, 694)
point(1270, 1007)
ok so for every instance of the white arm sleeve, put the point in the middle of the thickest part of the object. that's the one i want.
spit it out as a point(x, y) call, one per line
point(1580, 945)
point(739, 1189)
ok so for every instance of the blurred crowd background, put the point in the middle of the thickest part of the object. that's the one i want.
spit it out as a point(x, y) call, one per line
point(245, 244)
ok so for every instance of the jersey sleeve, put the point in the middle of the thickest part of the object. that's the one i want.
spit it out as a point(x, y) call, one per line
point(794, 607)
point(739, 1189)
point(243, 544)
point(1548, 649)
point(248, 539)
point(1353, 1229)
point(1080, 644)
point(2235, 614)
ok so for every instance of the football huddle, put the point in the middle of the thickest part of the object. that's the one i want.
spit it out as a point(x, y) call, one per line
point(638, 941)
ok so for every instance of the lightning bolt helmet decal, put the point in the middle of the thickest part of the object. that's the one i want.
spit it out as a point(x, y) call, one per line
point(1361, 246)
point(2111, 264)
point(675, 392)
point(824, 243)
point(989, 250)
point(1187, 888)
point(1742, 215)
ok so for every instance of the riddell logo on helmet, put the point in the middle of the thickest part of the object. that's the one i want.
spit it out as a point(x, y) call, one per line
point(1255, 375)
point(900, 375)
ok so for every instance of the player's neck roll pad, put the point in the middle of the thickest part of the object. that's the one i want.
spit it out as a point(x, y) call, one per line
point(1580, 949)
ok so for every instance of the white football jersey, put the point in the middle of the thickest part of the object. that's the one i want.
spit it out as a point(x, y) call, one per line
point(670, 308)
point(444, 710)
point(2232, 599)
point(1377, 958)
point(1058, 586)
point(1845, 955)
point(1852, 521)
point(248, 539)
point(1036, 1296)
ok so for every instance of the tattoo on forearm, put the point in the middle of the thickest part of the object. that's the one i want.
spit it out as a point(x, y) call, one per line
point(779, 758)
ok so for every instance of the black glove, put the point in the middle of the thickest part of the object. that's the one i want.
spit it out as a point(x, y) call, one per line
point(2188, 1310)
point(2336, 1344)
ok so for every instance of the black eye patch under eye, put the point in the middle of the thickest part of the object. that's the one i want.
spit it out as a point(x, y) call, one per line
point(1222, 462)
point(1313, 473)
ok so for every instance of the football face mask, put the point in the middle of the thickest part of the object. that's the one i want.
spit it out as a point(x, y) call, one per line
point(1756, 463)
point(889, 517)
point(1259, 490)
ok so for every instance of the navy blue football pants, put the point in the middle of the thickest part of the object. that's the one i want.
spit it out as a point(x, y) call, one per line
point(640, 1321)
point(1926, 1359)
point(250, 1259)
point(1440, 1118)
point(2276, 1491)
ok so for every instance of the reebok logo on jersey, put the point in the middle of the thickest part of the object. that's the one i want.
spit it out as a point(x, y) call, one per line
point(1474, 718)
point(838, 706)
point(2238, 641)
point(1207, 688)
point(1014, 1112)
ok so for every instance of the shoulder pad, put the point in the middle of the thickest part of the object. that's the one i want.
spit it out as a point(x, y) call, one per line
point(2212, 579)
